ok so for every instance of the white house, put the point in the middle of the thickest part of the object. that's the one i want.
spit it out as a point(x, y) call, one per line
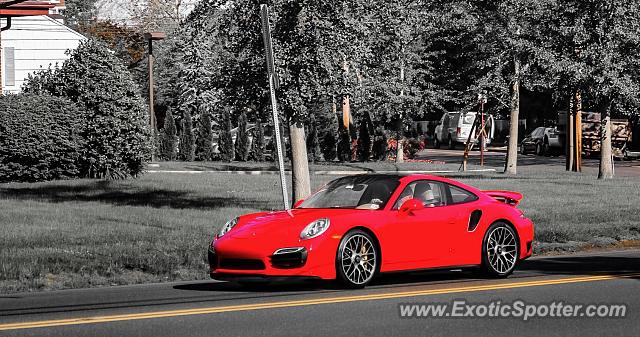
point(33, 43)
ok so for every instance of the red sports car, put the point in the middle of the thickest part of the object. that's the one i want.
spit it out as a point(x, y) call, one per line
point(358, 226)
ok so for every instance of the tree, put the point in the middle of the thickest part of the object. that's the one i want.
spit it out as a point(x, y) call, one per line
point(257, 145)
point(79, 13)
point(168, 148)
point(344, 145)
point(509, 51)
point(225, 140)
point(204, 145)
point(187, 139)
point(379, 145)
point(117, 129)
point(242, 138)
point(593, 50)
point(364, 141)
point(313, 142)
point(40, 138)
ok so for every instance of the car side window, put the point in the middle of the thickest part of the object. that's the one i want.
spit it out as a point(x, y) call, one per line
point(431, 194)
point(459, 196)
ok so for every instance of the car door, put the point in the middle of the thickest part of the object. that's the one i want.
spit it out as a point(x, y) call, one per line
point(464, 244)
point(419, 239)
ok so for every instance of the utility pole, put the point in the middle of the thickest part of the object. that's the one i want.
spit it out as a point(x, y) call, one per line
point(152, 36)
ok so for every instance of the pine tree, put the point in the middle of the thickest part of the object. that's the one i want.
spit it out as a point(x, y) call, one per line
point(258, 145)
point(225, 140)
point(187, 139)
point(168, 138)
point(364, 142)
point(204, 144)
point(242, 138)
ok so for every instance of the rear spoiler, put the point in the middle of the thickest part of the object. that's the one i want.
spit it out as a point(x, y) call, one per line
point(508, 197)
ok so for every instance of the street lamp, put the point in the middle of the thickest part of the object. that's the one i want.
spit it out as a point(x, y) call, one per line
point(152, 36)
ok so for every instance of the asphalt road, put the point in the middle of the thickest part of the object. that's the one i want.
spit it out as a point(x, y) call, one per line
point(210, 308)
point(495, 158)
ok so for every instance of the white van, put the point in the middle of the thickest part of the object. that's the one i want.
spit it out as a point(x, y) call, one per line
point(454, 128)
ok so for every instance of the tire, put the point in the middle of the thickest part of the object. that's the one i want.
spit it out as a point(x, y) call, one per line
point(500, 259)
point(539, 150)
point(354, 270)
point(452, 144)
point(436, 143)
point(523, 151)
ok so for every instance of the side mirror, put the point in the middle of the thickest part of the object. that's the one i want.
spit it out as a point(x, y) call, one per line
point(410, 206)
point(298, 203)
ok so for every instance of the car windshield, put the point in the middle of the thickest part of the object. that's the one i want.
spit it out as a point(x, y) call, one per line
point(357, 192)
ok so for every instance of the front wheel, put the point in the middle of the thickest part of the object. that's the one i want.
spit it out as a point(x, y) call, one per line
point(357, 260)
point(500, 250)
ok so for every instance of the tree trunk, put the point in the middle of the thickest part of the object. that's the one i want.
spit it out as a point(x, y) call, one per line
point(399, 146)
point(606, 162)
point(299, 163)
point(512, 150)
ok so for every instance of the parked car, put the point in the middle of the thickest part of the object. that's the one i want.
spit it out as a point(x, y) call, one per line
point(454, 127)
point(534, 142)
point(357, 227)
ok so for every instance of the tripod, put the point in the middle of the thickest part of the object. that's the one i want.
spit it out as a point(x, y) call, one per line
point(475, 134)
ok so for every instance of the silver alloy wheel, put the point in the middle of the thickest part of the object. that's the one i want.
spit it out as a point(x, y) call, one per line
point(358, 260)
point(502, 250)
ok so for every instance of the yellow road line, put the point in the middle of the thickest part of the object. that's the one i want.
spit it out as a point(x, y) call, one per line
point(297, 303)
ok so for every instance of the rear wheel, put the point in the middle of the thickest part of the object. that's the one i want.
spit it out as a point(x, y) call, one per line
point(500, 250)
point(357, 260)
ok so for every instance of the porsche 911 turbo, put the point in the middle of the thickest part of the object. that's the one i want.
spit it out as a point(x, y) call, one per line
point(357, 227)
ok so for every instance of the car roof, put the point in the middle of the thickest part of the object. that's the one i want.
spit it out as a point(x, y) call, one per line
point(409, 176)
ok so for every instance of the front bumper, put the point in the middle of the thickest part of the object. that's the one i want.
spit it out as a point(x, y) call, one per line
point(233, 259)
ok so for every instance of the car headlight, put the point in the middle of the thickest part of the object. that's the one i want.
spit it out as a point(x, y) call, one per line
point(314, 229)
point(227, 227)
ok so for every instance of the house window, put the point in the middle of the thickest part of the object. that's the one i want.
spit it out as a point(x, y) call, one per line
point(9, 67)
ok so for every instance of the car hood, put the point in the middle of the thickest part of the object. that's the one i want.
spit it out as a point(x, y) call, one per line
point(295, 220)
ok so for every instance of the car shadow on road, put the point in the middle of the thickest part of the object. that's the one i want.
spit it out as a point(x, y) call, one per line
point(582, 265)
point(548, 266)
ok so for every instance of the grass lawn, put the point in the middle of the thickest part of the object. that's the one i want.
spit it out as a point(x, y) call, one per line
point(84, 233)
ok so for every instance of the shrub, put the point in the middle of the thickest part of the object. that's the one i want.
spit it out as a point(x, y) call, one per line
point(204, 146)
point(187, 139)
point(225, 140)
point(168, 147)
point(257, 146)
point(40, 138)
point(242, 138)
point(117, 135)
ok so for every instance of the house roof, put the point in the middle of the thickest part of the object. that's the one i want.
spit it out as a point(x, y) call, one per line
point(26, 8)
